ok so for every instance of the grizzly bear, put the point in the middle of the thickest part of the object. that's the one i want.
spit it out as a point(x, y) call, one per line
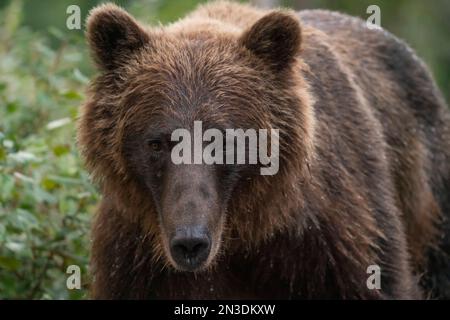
point(364, 159)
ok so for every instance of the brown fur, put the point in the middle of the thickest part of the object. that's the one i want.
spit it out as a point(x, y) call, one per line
point(365, 152)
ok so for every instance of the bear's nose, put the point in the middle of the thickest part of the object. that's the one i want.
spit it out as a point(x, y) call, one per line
point(190, 247)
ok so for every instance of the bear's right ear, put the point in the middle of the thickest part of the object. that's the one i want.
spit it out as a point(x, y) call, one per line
point(112, 35)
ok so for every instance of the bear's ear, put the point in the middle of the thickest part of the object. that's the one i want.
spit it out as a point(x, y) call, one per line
point(112, 35)
point(275, 38)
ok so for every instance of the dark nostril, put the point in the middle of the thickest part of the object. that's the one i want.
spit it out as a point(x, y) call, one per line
point(190, 247)
point(198, 247)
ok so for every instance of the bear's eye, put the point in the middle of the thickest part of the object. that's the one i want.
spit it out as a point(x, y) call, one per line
point(155, 145)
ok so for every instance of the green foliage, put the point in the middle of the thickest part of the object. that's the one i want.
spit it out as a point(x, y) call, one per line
point(45, 196)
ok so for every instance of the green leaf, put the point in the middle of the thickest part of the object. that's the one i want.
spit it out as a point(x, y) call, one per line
point(72, 95)
point(60, 150)
point(49, 184)
point(12, 107)
point(80, 77)
point(14, 246)
point(9, 263)
point(23, 157)
point(55, 124)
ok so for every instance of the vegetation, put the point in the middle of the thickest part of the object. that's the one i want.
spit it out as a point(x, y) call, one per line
point(46, 198)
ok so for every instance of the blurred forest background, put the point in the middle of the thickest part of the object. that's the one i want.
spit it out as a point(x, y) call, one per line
point(46, 199)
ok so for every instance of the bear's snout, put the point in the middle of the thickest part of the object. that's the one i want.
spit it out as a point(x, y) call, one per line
point(190, 247)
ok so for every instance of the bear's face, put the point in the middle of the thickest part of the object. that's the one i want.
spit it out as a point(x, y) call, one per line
point(155, 82)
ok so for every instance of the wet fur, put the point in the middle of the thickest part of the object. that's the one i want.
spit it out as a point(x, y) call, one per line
point(364, 176)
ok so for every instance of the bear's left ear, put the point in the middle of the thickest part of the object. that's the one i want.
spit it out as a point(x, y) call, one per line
point(275, 38)
point(112, 35)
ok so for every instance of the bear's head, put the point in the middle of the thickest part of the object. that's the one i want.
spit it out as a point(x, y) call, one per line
point(155, 81)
